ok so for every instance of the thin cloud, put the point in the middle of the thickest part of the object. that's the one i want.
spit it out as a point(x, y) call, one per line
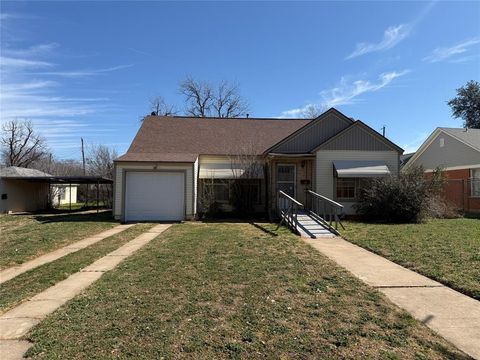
point(346, 92)
point(446, 53)
point(22, 63)
point(35, 50)
point(138, 51)
point(391, 37)
point(83, 73)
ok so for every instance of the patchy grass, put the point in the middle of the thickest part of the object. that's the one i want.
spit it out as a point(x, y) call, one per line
point(447, 250)
point(210, 291)
point(24, 237)
point(36, 280)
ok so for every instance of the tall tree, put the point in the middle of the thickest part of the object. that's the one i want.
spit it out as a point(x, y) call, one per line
point(204, 99)
point(20, 144)
point(466, 105)
point(100, 160)
point(160, 107)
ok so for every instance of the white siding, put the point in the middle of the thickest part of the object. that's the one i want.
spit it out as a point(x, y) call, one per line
point(195, 186)
point(324, 168)
point(119, 186)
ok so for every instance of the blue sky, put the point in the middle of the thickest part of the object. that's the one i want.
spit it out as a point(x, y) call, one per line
point(87, 69)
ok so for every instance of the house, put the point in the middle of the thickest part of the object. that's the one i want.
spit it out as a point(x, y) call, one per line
point(172, 161)
point(64, 194)
point(22, 189)
point(457, 152)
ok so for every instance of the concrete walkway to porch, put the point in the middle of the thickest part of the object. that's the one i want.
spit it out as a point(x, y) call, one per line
point(17, 322)
point(11, 272)
point(451, 314)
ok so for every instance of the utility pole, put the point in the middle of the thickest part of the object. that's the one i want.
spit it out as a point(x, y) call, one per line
point(83, 157)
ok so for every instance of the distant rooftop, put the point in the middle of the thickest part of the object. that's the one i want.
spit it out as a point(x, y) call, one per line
point(17, 172)
point(470, 136)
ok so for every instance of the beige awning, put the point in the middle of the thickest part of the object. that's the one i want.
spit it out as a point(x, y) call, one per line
point(360, 168)
point(229, 171)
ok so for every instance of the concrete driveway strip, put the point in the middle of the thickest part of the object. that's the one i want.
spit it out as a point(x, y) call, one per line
point(14, 271)
point(454, 316)
point(17, 322)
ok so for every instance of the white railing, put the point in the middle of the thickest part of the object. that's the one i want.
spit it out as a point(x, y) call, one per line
point(288, 209)
point(327, 211)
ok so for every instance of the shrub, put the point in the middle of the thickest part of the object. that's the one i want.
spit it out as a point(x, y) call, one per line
point(401, 199)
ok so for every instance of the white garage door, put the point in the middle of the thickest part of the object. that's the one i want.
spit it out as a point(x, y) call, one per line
point(154, 196)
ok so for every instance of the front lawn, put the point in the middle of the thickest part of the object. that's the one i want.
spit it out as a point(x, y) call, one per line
point(36, 280)
point(26, 236)
point(208, 291)
point(447, 250)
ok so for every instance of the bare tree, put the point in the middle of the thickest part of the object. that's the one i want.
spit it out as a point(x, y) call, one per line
point(203, 99)
point(160, 107)
point(21, 145)
point(198, 97)
point(100, 160)
point(247, 168)
point(227, 101)
point(313, 111)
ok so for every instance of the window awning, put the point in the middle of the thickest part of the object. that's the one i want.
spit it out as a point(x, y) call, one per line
point(229, 171)
point(360, 168)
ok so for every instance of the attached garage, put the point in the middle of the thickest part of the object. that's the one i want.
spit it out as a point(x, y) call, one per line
point(154, 196)
point(153, 191)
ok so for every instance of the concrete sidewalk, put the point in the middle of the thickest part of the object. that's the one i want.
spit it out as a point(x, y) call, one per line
point(10, 273)
point(451, 314)
point(17, 322)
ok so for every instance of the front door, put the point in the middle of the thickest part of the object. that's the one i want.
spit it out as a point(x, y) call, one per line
point(286, 179)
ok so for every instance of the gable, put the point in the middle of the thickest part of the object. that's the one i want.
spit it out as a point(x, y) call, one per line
point(312, 135)
point(453, 153)
point(359, 137)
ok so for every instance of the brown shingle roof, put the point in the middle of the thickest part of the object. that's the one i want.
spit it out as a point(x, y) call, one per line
point(182, 139)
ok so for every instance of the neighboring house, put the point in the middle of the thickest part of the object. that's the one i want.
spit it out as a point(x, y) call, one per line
point(21, 189)
point(64, 194)
point(457, 152)
point(172, 160)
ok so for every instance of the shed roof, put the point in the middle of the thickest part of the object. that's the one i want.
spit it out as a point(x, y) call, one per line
point(182, 139)
point(17, 172)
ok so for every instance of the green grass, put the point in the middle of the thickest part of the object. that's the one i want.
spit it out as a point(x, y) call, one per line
point(214, 291)
point(36, 280)
point(447, 250)
point(24, 237)
point(80, 205)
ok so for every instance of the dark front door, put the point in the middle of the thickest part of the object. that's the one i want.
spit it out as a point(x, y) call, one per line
point(286, 179)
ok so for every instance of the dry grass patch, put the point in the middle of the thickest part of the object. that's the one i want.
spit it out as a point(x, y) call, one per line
point(232, 291)
point(24, 237)
point(36, 280)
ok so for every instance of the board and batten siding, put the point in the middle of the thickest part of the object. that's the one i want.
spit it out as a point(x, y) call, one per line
point(121, 168)
point(313, 134)
point(325, 179)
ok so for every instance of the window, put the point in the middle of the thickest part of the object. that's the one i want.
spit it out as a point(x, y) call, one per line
point(224, 191)
point(346, 188)
point(250, 191)
point(219, 190)
point(442, 142)
point(475, 181)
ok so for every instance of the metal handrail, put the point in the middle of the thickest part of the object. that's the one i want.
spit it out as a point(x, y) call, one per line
point(290, 198)
point(331, 210)
point(289, 213)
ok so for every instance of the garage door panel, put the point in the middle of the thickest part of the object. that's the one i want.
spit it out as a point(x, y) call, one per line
point(154, 196)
